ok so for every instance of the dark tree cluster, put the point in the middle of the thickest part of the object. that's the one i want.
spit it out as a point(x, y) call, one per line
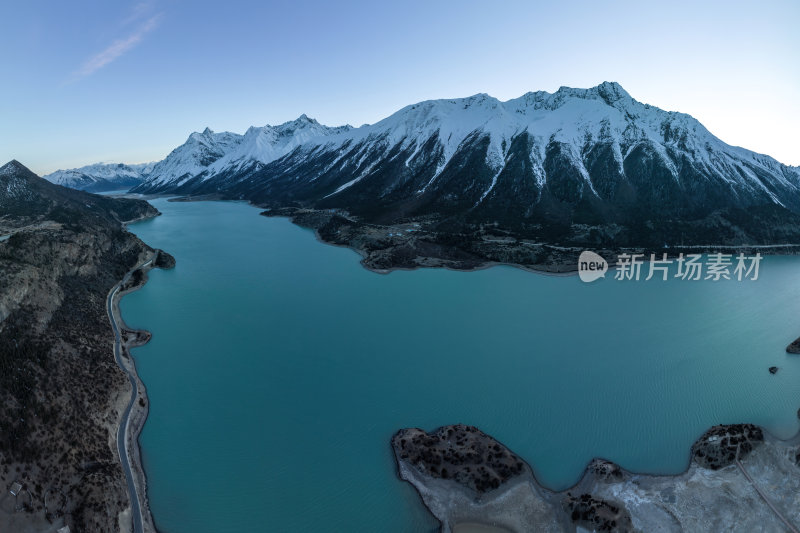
point(720, 446)
point(596, 514)
point(462, 453)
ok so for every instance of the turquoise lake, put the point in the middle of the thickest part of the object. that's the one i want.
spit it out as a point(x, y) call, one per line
point(279, 369)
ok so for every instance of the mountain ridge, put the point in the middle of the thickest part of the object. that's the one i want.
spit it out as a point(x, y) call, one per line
point(101, 177)
point(418, 122)
point(578, 166)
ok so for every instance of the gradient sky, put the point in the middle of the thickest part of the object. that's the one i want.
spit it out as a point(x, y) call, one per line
point(96, 81)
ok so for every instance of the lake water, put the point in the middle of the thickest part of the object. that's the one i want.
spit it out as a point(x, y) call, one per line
point(280, 368)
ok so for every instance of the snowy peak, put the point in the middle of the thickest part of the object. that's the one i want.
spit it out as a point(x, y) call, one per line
point(462, 116)
point(20, 194)
point(192, 158)
point(569, 115)
point(262, 145)
point(13, 167)
point(206, 137)
point(608, 91)
point(304, 123)
point(611, 91)
point(15, 179)
point(23, 192)
point(480, 100)
point(573, 144)
point(303, 119)
point(101, 177)
point(207, 154)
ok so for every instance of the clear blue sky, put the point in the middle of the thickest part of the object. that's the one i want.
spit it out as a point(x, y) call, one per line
point(128, 81)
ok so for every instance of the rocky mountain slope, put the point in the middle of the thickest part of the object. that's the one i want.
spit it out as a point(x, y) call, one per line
point(102, 177)
point(61, 251)
point(578, 167)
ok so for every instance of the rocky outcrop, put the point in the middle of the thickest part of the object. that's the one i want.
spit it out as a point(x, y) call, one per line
point(163, 260)
point(739, 479)
point(461, 453)
point(596, 514)
point(794, 347)
point(720, 446)
point(605, 470)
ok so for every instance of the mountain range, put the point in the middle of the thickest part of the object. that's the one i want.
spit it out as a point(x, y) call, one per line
point(575, 167)
point(102, 177)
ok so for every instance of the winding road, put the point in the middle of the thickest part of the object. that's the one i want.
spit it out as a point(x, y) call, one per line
point(122, 433)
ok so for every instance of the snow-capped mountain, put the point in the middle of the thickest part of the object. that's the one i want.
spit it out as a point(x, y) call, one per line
point(102, 176)
point(573, 159)
point(208, 154)
point(190, 159)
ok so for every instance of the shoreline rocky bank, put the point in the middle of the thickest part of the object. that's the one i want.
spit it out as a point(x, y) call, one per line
point(739, 478)
point(421, 243)
point(415, 244)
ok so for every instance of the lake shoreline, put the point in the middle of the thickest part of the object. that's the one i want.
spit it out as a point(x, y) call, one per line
point(283, 258)
point(129, 338)
point(406, 247)
point(561, 260)
point(606, 495)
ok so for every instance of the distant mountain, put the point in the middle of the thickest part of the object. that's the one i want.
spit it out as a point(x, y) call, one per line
point(210, 154)
point(102, 177)
point(26, 198)
point(578, 166)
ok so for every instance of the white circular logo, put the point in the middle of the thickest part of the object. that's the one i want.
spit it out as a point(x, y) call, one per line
point(591, 266)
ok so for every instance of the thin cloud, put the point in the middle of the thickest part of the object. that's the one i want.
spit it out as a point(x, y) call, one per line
point(117, 49)
point(138, 12)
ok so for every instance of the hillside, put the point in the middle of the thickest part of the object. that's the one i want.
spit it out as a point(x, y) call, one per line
point(62, 393)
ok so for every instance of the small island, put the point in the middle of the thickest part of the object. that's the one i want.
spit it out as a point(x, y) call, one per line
point(794, 347)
